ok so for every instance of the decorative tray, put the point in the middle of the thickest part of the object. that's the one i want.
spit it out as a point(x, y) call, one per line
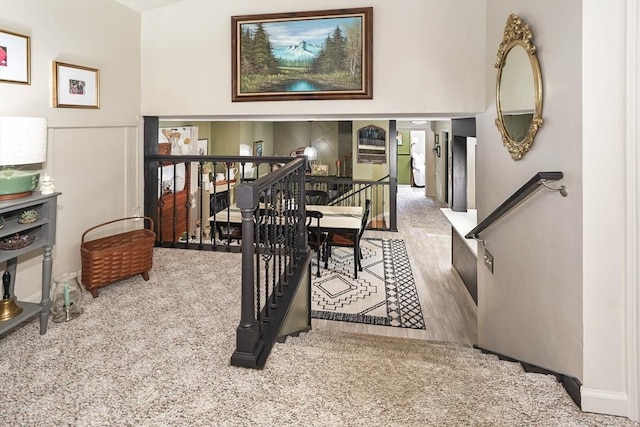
point(17, 241)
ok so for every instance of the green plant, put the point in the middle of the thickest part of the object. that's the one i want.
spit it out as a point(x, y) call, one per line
point(29, 215)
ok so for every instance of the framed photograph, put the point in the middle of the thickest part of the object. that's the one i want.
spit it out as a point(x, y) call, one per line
point(399, 138)
point(75, 86)
point(15, 58)
point(257, 148)
point(302, 55)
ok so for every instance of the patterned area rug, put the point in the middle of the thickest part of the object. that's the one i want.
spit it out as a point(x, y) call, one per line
point(383, 294)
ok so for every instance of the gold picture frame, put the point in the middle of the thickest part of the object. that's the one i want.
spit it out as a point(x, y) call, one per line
point(15, 58)
point(314, 55)
point(75, 86)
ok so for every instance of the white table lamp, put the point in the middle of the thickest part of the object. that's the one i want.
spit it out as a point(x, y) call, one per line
point(23, 141)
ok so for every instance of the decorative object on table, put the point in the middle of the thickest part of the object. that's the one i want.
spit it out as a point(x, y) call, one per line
point(183, 140)
point(28, 216)
point(23, 141)
point(66, 297)
point(16, 241)
point(47, 186)
point(15, 58)
point(230, 171)
point(319, 169)
point(109, 259)
point(164, 148)
point(75, 86)
point(313, 62)
point(8, 307)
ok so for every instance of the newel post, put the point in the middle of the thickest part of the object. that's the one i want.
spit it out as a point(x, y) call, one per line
point(249, 346)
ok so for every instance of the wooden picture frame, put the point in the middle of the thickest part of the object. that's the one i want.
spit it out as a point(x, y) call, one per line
point(304, 55)
point(257, 148)
point(75, 86)
point(15, 58)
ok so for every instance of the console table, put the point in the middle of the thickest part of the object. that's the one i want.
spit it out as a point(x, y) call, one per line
point(44, 230)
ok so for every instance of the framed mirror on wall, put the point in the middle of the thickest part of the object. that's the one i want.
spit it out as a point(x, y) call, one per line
point(518, 88)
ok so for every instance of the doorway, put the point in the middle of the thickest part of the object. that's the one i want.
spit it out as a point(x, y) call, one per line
point(418, 158)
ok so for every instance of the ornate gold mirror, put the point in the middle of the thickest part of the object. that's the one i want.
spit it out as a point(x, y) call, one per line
point(518, 88)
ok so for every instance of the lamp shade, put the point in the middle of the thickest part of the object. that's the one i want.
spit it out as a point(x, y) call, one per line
point(311, 153)
point(23, 140)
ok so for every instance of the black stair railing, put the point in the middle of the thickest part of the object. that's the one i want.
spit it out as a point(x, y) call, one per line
point(535, 183)
point(275, 256)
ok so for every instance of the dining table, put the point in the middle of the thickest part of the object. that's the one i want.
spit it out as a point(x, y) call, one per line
point(335, 219)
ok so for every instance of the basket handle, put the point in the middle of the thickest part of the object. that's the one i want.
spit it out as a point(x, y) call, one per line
point(117, 220)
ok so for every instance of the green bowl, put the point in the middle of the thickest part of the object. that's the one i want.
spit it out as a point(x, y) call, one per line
point(18, 182)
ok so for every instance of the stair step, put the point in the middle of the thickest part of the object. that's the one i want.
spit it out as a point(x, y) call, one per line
point(407, 350)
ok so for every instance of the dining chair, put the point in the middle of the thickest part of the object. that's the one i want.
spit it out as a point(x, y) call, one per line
point(345, 240)
point(316, 239)
point(229, 232)
point(316, 197)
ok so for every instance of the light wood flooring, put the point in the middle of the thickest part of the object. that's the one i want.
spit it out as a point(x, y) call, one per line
point(449, 312)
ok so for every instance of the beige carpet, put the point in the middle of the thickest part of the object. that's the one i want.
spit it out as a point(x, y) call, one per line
point(157, 354)
point(421, 212)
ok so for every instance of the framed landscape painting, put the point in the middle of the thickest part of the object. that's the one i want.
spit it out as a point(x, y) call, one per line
point(302, 55)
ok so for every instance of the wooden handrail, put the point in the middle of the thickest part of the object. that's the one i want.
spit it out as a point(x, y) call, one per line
point(522, 193)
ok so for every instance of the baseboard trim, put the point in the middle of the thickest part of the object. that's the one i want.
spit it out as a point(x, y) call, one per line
point(605, 402)
point(572, 385)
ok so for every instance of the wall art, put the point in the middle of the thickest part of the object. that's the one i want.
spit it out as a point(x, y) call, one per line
point(75, 86)
point(303, 55)
point(15, 58)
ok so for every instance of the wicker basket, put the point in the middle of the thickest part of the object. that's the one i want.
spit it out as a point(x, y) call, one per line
point(113, 258)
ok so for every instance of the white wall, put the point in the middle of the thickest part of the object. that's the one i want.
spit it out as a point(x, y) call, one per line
point(605, 208)
point(530, 308)
point(186, 59)
point(441, 162)
point(93, 155)
point(471, 172)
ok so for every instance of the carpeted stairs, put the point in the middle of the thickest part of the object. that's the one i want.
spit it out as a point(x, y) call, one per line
point(157, 353)
point(373, 380)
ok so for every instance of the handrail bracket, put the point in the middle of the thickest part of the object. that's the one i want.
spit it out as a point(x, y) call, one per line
point(562, 189)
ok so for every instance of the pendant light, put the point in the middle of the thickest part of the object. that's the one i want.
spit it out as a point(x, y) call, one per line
point(310, 152)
